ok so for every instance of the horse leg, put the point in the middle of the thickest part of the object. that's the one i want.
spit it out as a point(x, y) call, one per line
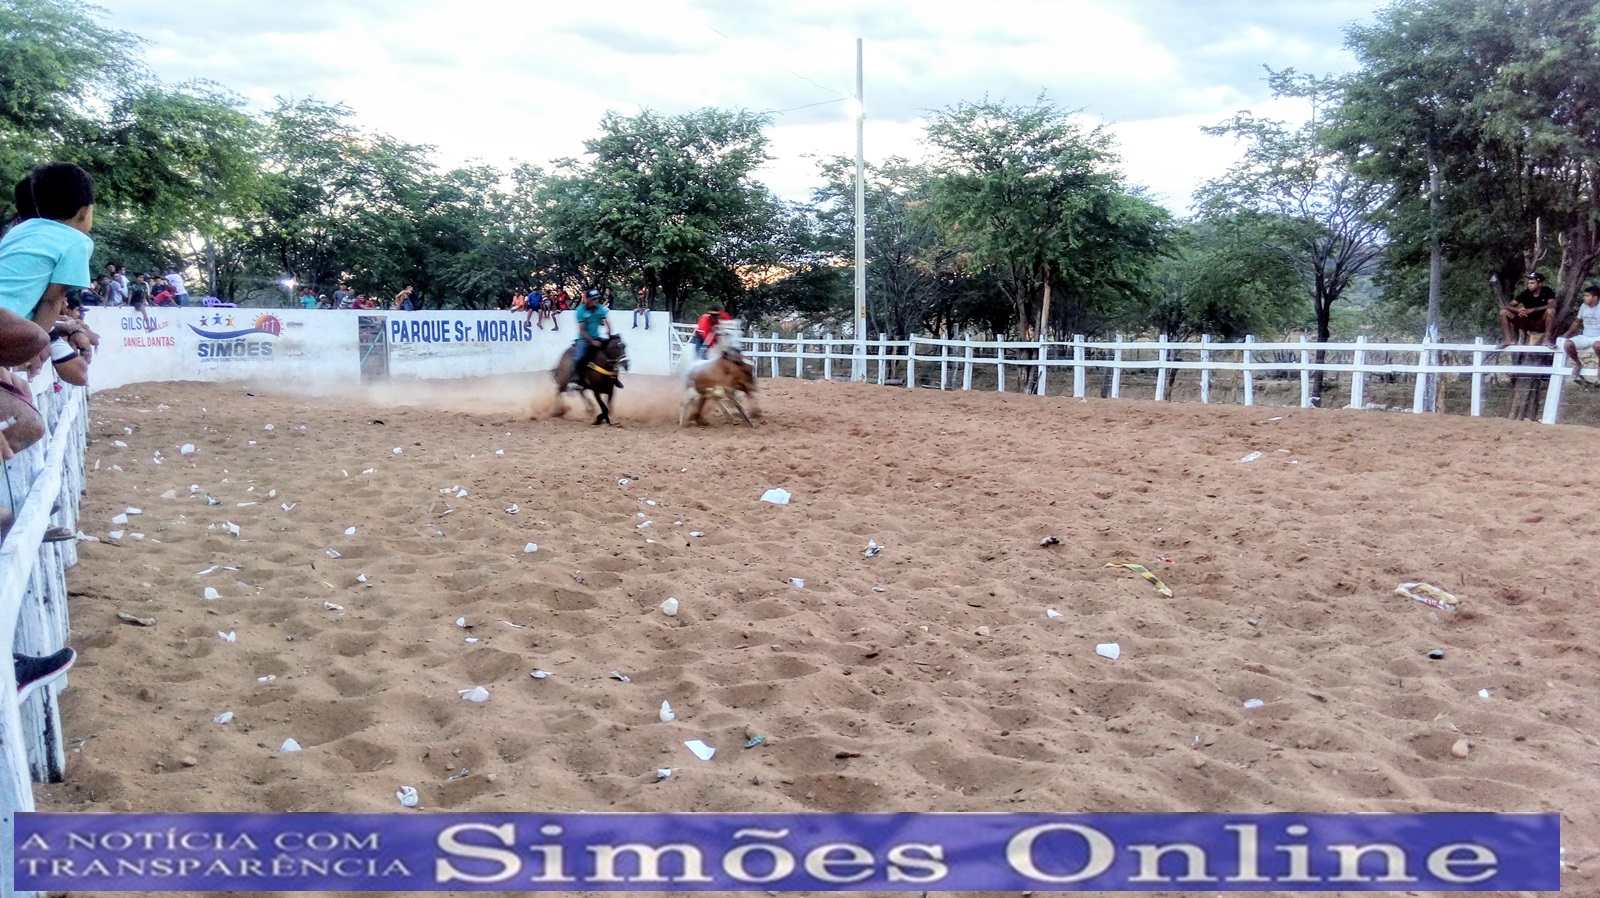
point(730, 400)
point(605, 411)
point(683, 407)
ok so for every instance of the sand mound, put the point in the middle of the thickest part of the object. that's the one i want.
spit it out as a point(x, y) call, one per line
point(927, 678)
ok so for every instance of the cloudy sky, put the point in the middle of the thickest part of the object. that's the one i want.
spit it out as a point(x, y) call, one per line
point(501, 81)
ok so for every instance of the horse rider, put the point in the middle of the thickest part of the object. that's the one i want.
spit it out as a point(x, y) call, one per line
point(705, 332)
point(590, 316)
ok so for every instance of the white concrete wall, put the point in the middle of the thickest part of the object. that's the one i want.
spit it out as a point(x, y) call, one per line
point(320, 349)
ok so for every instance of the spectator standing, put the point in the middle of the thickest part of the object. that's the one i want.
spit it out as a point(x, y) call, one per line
point(139, 292)
point(180, 292)
point(404, 301)
point(116, 286)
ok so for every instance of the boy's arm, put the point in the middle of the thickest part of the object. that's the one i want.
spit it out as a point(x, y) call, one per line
point(51, 307)
point(21, 341)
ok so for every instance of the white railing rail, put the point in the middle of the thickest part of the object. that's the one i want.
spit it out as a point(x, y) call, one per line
point(41, 486)
point(898, 362)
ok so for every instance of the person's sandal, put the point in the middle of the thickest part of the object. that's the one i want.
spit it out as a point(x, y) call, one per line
point(59, 535)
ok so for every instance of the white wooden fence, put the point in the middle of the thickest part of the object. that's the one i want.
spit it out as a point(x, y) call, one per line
point(42, 487)
point(950, 364)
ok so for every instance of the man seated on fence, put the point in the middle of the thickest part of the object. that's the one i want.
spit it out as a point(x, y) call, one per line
point(1585, 330)
point(1528, 312)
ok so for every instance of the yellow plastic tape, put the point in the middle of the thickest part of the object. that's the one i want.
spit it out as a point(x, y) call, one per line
point(1144, 572)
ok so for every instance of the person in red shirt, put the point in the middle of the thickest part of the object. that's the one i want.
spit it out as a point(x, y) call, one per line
point(705, 332)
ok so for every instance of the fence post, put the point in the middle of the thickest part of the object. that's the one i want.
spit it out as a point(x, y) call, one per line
point(1161, 369)
point(799, 355)
point(1477, 378)
point(1116, 370)
point(944, 366)
point(1044, 364)
point(1358, 377)
point(1000, 361)
point(774, 353)
point(1249, 358)
point(883, 347)
point(827, 357)
point(1419, 397)
point(1552, 395)
point(966, 376)
point(1077, 366)
point(1205, 373)
point(1305, 374)
point(911, 363)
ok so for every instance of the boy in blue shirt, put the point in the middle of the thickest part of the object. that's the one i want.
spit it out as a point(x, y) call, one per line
point(47, 252)
point(42, 256)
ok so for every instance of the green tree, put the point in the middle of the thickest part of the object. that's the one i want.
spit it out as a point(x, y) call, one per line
point(659, 196)
point(1306, 204)
point(54, 59)
point(1038, 202)
point(1496, 99)
point(1224, 277)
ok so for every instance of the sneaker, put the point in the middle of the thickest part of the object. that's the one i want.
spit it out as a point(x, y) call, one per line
point(35, 672)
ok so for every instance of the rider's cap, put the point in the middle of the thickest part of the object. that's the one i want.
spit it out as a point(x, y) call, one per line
point(594, 292)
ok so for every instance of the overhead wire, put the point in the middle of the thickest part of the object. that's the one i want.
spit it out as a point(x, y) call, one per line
point(840, 96)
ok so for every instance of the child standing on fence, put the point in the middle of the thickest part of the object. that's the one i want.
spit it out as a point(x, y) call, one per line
point(42, 257)
point(47, 252)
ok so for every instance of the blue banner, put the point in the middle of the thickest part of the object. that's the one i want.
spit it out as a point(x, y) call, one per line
point(788, 852)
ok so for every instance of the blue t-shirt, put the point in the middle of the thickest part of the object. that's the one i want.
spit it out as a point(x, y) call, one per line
point(589, 322)
point(39, 252)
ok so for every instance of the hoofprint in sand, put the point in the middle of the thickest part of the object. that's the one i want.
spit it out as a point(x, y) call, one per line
point(929, 676)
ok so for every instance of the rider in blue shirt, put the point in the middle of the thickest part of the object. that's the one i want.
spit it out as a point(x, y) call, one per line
point(591, 315)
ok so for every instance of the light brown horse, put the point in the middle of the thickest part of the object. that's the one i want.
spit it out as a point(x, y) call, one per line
point(722, 379)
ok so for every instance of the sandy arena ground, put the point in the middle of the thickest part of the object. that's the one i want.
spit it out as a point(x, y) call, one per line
point(927, 678)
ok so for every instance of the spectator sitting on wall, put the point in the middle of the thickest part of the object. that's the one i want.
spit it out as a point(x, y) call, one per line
point(405, 301)
point(1585, 330)
point(139, 292)
point(163, 296)
point(1528, 312)
point(642, 308)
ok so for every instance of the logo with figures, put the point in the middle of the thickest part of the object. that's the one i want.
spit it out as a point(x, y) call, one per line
point(266, 324)
point(229, 342)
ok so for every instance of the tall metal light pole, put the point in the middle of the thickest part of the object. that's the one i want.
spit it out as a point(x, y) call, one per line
point(858, 368)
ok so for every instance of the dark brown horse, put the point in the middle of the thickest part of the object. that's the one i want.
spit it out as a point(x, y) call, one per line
point(599, 375)
point(722, 379)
